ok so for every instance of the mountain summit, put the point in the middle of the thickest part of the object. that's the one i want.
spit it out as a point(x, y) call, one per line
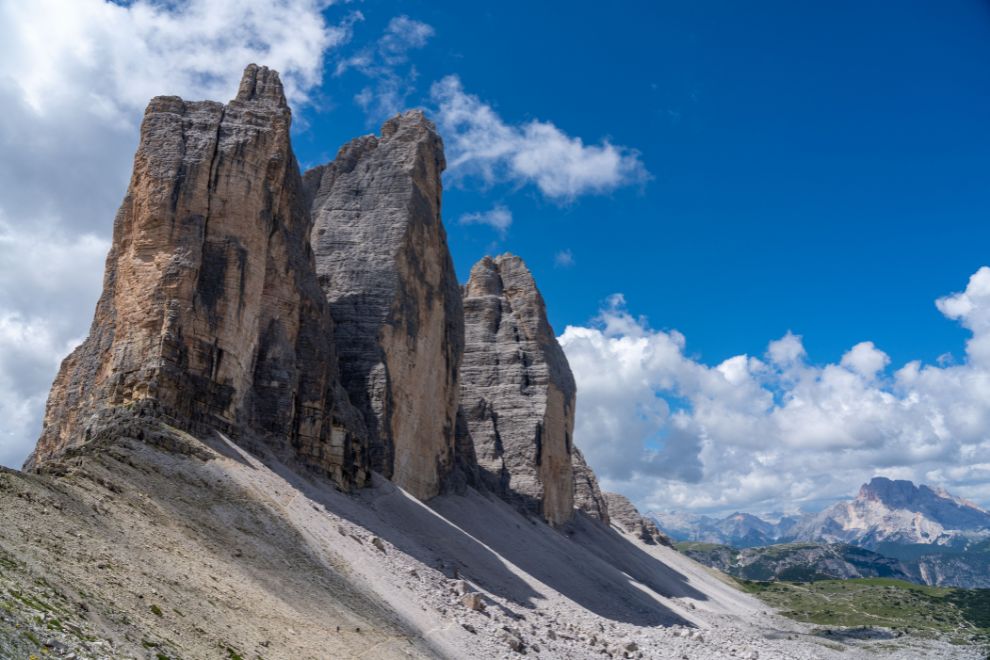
point(896, 511)
point(884, 511)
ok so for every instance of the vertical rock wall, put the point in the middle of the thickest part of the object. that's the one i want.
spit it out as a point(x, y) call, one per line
point(211, 315)
point(382, 258)
point(517, 392)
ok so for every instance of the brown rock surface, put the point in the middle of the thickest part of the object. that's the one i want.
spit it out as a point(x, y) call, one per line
point(211, 315)
point(382, 258)
point(517, 391)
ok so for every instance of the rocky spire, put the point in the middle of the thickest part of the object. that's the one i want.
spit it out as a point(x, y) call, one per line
point(587, 494)
point(517, 392)
point(627, 517)
point(382, 258)
point(211, 315)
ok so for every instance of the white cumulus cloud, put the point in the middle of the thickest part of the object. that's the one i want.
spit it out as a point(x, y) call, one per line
point(774, 431)
point(480, 143)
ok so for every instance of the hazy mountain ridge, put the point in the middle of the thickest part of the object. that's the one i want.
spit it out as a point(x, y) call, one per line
point(797, 562)
point(890, 529)
point(741, 530)
point(884, 511)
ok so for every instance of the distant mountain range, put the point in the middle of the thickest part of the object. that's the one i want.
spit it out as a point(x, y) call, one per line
point(798, 562)
point(897, 512)
point(740, 530)
point(891, 528)
point(884, 512)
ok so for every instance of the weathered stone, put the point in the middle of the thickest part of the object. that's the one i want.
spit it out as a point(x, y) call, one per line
point(212, 317)
point(587, 495)
point(382, 258)
point(517, 391)
point(623, 514)
point(473, 601)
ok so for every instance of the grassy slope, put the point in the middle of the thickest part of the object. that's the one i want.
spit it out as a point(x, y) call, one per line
point(963, 614)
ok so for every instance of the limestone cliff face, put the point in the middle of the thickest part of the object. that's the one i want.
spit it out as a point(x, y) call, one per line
point(211, 315)
point(517, 392)
point(587, 495)
point(383, 263)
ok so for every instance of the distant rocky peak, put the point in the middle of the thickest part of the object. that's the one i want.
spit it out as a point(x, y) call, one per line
point(622, 513)
point(903, 494)
point(259, 84)
point(413, 125)
point(896, 494)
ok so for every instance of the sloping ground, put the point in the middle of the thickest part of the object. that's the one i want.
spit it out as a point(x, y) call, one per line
point(197, 552)
point(883, 608)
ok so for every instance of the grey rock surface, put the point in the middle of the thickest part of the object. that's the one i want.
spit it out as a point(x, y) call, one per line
point(587, 494)
point(211, 316)
point(622, 513)
point(517, 391)
point(383, 262)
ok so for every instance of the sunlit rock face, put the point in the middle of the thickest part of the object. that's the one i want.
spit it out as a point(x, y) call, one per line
point(517, 390)
point(211, 316)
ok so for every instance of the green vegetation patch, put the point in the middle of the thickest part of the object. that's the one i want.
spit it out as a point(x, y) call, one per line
point(963, 614)
point(7, 562)
point(698, 546)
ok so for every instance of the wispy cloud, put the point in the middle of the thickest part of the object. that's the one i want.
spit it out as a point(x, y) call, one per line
point(480, 143)
point(674, 432)
point(498, 218)
point(564, 258)
point(384, 62)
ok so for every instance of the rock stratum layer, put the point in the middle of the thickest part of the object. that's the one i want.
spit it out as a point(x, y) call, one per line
point(382, 258)
point(211, 315)
point(517, 391)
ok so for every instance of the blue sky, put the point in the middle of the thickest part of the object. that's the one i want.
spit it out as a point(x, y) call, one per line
point(815, 168)
point(774, 215)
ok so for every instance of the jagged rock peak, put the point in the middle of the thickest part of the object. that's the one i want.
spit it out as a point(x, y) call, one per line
point(517, 391)
point(261, 84)
point(626, 516)
point(383, 262)
point(211, 317)
point(588, 496)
